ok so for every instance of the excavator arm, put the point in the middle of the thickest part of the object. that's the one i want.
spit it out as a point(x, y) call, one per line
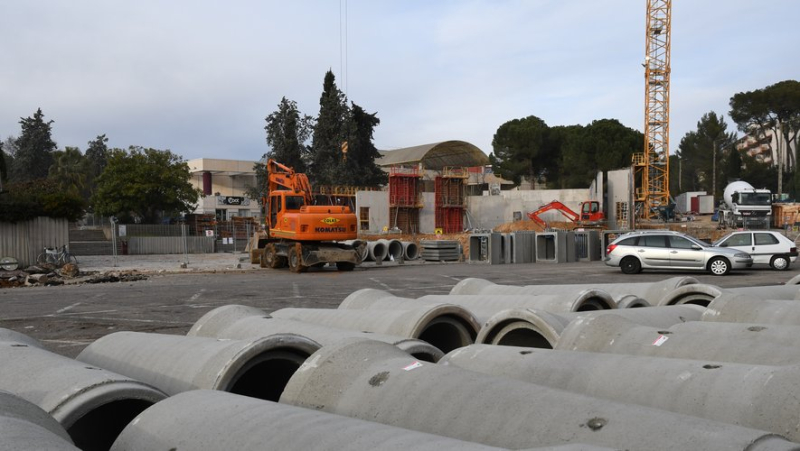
point(282, 177)
point(554, 205)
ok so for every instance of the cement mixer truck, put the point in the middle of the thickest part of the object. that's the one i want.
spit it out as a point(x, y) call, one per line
point(745, 206)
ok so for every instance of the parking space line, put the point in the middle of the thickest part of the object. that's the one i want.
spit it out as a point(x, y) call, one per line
point(387, 287)
point(69, 307)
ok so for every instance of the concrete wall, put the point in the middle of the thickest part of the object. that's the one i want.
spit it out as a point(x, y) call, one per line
point(427, 216)
point(487, 212)
point(378, 204)
point(619, 190)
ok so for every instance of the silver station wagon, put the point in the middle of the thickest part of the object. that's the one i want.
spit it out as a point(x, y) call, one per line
point(635, 251)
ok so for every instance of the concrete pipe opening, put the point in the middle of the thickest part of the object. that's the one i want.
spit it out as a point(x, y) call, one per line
point(377, 251)
point(410, 250)
point(697, 294)
point(266, 375)
point(519, 333)
point(448, 332)
point(591, 300)
point(421, 350)
point(99, 428)
point(631, 301)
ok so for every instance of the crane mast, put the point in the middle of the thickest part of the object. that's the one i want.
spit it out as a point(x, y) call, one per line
point(651, 168)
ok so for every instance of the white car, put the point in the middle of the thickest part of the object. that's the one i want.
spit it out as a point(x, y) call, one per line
point(766, 247)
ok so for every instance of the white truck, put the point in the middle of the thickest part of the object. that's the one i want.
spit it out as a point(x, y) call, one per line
point(745, 206)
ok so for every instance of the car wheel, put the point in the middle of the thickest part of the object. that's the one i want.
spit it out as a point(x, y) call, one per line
point(630, 265)
point(719, 266)
point(779, 262)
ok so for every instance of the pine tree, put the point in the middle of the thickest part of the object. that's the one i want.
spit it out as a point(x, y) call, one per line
point(360, 167)
point(330, 133)
point(35, 148)
point(287, 133)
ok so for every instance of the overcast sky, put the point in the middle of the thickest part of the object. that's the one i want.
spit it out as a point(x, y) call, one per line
point(198, 77)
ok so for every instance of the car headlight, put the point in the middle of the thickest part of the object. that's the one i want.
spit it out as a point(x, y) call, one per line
point(742, 255)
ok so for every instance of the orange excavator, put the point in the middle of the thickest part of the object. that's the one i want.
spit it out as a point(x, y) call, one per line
point(590, 216)
point(301, 235)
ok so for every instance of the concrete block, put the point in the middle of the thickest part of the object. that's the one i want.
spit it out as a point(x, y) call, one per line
point(242, 323)
point(213, 420)
point(765, 396)
point(587, 245)
point(445, 326)
point(174, 363)
point(92, 404)
point(376, 381)
point(485, 248)
point(555, 247)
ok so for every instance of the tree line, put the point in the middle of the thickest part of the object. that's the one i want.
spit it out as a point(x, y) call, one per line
point(706, 158)
point(335, 148)
point(147, 185)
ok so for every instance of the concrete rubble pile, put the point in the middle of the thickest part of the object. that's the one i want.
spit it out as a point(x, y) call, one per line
point(642, 366)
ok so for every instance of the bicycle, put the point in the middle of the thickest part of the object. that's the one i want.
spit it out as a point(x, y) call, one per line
point(56, 256)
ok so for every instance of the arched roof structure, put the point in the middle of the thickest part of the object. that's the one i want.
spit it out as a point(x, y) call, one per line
point(436, 156)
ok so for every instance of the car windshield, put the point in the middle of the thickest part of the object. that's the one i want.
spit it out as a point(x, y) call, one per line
point(763, 199)
point(695, 241)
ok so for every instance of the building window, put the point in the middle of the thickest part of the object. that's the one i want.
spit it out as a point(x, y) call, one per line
point(363, 218)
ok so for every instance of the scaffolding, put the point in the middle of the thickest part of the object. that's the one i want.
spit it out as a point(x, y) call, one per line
point(450, 199)
point(405, 198)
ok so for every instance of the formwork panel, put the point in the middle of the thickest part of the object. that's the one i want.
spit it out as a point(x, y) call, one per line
point(405, 219)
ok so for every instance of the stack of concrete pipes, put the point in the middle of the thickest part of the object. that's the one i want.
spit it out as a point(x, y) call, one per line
point(391, 250)
point(579, 369)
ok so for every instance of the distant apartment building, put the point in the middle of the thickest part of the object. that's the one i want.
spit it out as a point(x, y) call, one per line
point(223, 184)
point(765, 149)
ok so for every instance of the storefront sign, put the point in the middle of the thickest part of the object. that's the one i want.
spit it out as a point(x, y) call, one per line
point(233, 200)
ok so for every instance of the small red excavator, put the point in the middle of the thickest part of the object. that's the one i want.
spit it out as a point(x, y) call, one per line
point(590, 216)
point(302, 235)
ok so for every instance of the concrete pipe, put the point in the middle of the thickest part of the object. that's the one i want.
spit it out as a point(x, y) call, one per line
point(243, 323)
point(24, 425)
point(736, 308)
point(375, 381)
point(359, 244)
point(410, 250)
point(483, 306)
point(445, 326)
point(377, 251)
point(774, 292)
point(394, 249)
point(697, 294)
point(764, 395)
point(794, 280)
point(652, 292)
point(92, 404)
point(259, 367)
point(631, 301)
point(213, 420)
point(541, 329)
point(756, 344)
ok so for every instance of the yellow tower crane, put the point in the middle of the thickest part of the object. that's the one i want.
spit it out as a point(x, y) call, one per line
point(651, 168)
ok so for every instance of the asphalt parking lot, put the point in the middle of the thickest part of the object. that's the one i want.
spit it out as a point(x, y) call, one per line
point(67, 318)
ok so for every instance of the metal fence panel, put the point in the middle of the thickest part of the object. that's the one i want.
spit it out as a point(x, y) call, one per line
point(140, 245)
point(26, 239)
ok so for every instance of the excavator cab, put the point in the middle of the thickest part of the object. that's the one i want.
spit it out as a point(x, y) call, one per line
point(590, 211)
